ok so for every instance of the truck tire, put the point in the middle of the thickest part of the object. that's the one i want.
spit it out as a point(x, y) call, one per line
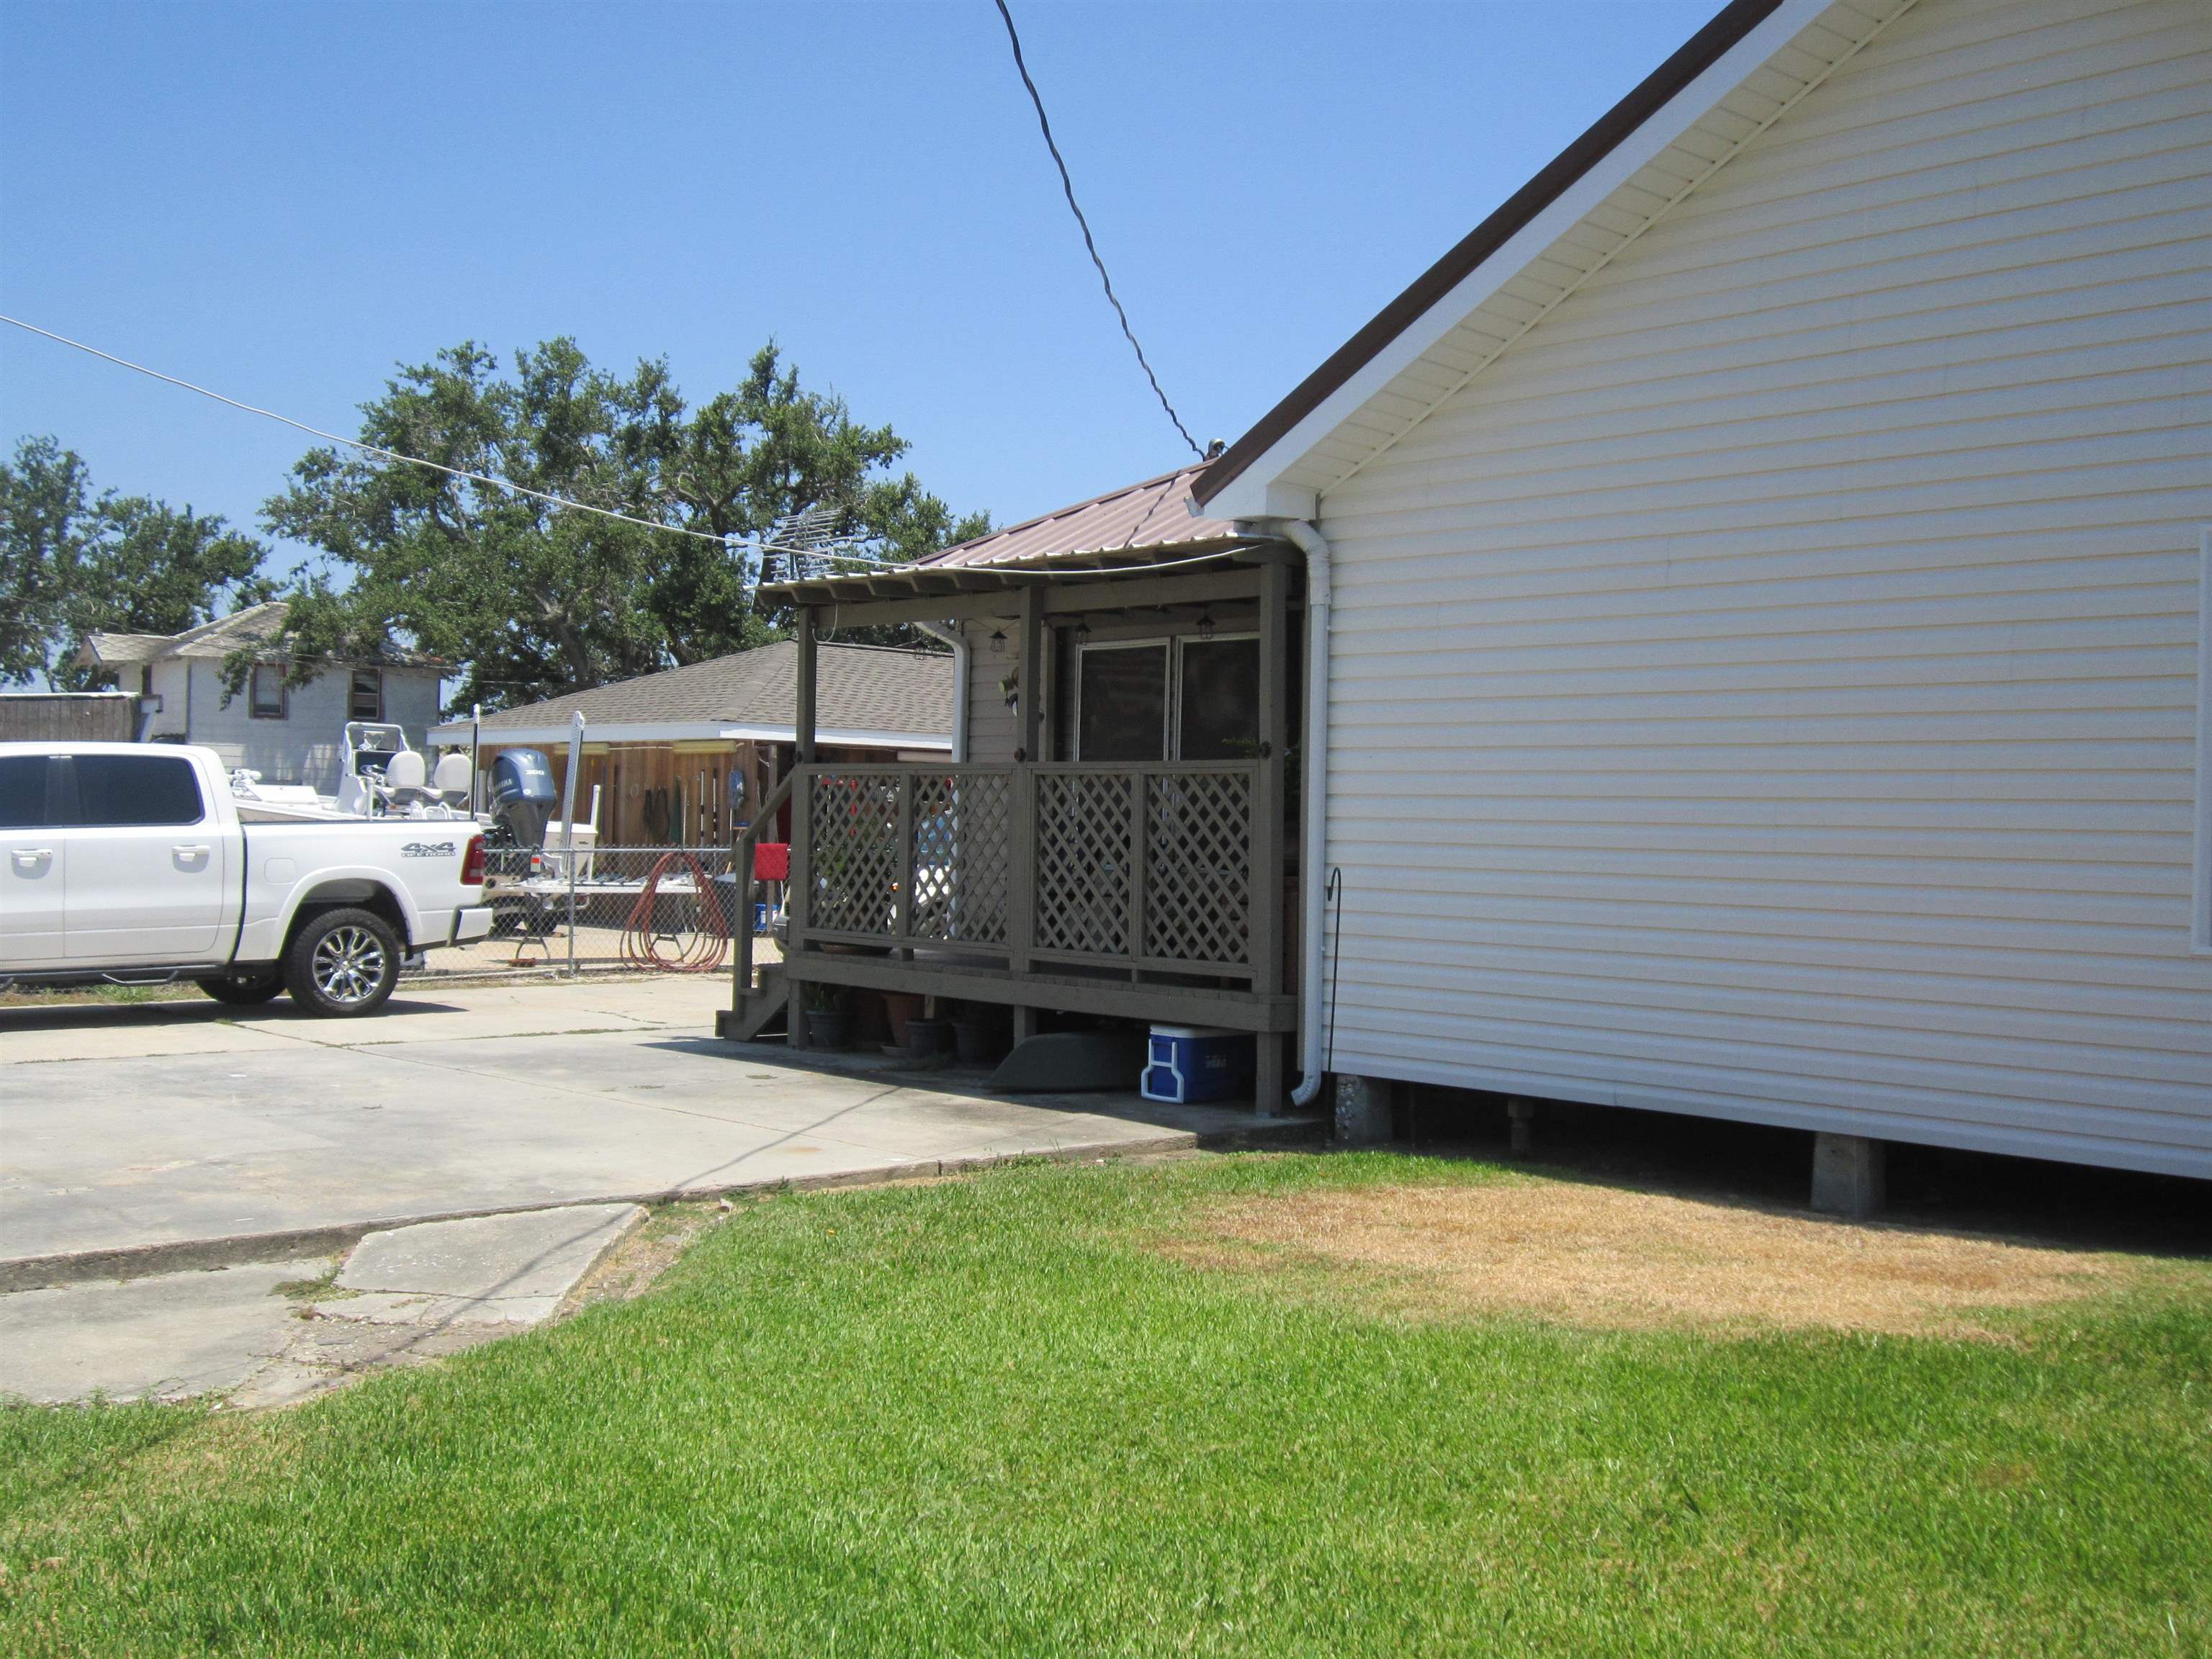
point(243, 990)
point(343, 964)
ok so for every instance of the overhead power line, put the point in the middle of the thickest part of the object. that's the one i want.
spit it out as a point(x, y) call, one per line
point(1067, 185)
point(561, 501)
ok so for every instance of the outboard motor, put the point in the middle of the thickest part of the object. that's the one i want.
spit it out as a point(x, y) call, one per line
point(522, 796)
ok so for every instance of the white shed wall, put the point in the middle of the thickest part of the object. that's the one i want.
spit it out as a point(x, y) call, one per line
point(1771, 689)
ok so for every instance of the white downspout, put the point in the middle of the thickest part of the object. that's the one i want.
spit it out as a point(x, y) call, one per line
point(961, 656)
point(1313, 873)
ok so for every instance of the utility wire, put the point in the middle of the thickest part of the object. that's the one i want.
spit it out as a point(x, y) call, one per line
point(1067, 185)
point(373, 449)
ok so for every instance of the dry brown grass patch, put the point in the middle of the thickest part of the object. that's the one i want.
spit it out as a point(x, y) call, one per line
point(1602, 1256)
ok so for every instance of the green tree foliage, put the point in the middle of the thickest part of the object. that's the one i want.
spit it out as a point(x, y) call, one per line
point(535, 600)
point(74, 563)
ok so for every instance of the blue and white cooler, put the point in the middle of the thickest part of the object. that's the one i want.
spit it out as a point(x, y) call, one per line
point(1187, 1063)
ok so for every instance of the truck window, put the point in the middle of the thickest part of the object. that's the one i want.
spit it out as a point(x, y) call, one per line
point(114, 790)
point(22, 792)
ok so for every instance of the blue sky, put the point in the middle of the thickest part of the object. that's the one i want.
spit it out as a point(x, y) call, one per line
point(282, 201)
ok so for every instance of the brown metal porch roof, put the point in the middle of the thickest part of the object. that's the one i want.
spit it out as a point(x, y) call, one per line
point(1140, 526)
point(1155, 513)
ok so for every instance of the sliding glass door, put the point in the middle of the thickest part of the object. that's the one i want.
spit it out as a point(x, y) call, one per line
point(1179, 699)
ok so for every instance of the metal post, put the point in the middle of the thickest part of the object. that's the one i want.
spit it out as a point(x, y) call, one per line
point(568, 825)
point(741, 935)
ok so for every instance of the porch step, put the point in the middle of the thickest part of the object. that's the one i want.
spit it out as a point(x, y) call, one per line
point(757, 1009)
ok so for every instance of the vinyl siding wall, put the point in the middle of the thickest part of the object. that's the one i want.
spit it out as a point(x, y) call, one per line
point(308, 746)
point(994, 731)
point(1771, 689)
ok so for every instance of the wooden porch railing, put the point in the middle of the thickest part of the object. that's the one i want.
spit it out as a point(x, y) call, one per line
point(1145, 868)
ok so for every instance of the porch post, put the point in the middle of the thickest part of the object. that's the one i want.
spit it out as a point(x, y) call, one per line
point(795, 905)
point(1021, 896)
point(1266, 848)
point(803, 714)
point(1030, 665)
point(1021, 917)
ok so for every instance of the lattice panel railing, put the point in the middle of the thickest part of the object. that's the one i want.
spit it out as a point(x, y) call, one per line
point(1084, 860)
point(855, 861)
point(1079, 857)
point(1198, 866)
point(963, 853)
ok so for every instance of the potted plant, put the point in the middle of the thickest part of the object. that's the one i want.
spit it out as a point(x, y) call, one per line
point(928, 1036)
point(827, 1023)
point(979, 1032)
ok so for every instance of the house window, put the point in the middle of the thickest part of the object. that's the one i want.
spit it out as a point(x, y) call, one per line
point(1179, 699)
point(368, 701)
point(268, 694)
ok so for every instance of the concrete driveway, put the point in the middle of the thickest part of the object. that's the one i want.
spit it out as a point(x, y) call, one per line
point(154, 1137)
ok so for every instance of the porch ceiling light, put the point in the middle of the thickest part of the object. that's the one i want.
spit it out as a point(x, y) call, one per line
point(1205, 624)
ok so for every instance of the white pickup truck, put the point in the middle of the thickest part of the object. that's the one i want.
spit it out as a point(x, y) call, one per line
point(129, 862)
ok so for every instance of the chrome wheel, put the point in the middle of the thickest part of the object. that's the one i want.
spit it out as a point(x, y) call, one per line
point(349, 965)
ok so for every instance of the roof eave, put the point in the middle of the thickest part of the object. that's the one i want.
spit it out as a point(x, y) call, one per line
point(707, 731)
point(1008, 576)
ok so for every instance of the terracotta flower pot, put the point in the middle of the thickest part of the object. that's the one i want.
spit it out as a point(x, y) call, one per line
point(902, 1007)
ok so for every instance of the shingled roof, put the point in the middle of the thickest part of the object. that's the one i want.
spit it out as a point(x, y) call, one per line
point(862, 692)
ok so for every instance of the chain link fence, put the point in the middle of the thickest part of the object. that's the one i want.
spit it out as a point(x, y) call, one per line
point(608, 909)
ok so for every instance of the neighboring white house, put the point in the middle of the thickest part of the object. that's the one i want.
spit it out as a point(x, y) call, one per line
point(1772, 646)
point(289, 735)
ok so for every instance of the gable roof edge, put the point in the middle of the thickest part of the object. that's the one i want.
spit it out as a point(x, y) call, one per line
point(1709, 66)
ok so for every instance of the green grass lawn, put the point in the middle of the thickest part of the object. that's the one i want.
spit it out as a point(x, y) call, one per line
point(987, 1417)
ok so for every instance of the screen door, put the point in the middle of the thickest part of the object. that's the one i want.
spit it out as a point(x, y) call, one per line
point(1121, 701)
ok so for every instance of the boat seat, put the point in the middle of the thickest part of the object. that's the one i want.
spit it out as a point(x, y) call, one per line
point(451, 777)
point(405, 780)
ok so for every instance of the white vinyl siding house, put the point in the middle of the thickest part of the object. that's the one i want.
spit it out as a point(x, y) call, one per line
point(305, 744)
point(1773, 685)
point(288, 734)
point(2202, 936)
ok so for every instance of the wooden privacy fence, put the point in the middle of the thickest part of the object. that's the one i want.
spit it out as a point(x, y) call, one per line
point(1144, 867)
